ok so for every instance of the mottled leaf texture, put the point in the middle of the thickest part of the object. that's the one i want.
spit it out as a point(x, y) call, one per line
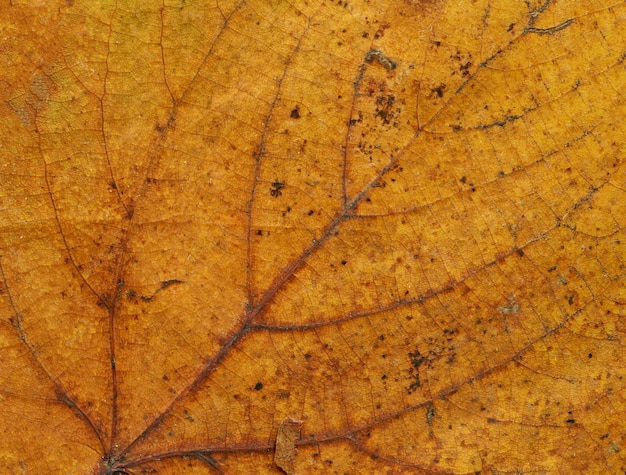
point(400, 222)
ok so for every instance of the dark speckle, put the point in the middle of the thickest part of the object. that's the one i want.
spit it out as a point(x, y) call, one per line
point(295, 113)
point(258, 386)
point(438, 91)
point(377, 55)
point(276, 188)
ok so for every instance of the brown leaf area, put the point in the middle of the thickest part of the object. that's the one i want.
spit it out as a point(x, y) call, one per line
point(399, 222)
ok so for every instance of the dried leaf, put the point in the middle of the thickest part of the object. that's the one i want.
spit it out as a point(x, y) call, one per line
point(401, 221)
point(286, 438)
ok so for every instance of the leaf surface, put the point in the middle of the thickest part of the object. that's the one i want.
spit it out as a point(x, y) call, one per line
point(398, 222)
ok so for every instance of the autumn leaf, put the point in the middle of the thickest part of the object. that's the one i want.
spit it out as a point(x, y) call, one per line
point(399, 222)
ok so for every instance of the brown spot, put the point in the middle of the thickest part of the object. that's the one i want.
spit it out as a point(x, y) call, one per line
point(276, 188)
point(437, 91)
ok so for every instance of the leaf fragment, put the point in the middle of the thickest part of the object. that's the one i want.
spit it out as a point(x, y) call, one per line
point(286, 437)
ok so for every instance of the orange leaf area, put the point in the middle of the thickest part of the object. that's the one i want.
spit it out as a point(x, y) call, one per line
point(400, 222)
